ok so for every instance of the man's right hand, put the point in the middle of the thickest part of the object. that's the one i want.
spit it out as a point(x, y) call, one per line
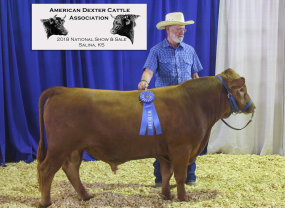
point(146, 77)
point(142, 85)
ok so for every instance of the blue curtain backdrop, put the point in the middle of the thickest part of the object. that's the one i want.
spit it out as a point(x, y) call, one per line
point(24, 73)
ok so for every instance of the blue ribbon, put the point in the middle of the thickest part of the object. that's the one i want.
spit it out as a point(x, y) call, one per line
point(149, 115)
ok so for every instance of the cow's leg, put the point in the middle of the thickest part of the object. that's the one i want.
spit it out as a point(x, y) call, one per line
point(166, 173)
point(180, 164)
point(47, 170)
point(203, 143)
point(200, 148)
point(71, 168)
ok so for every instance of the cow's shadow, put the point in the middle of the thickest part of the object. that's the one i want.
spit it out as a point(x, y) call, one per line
point(151, 198)
point(108, 195)
point(7, 200)
point(106, 186)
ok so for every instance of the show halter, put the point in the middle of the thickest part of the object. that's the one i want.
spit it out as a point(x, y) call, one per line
point(149, 115)
point(234, 107)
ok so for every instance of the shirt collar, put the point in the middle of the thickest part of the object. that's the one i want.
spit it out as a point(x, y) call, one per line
point(165, 43)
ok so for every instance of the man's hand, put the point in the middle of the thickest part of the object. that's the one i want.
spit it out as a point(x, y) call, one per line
point(195, 76)
point(146, 77)
point(142, 85)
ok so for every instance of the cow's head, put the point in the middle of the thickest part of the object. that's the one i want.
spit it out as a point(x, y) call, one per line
point(54, 26)
point(124, 25)
point(238, 89)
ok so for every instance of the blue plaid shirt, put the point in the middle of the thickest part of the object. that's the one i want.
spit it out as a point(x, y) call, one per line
point(170, 66)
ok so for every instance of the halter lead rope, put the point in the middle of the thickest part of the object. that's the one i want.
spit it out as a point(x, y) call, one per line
point(241, 128)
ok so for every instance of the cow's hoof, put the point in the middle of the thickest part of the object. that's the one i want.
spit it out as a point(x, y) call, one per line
point(87, 198)
point(166, 196)
point(183, 199)
point(43, 206)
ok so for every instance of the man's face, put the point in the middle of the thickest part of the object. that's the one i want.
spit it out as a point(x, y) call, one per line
point(176, 33)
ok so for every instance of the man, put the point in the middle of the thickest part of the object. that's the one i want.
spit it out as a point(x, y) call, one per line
point(173, 62)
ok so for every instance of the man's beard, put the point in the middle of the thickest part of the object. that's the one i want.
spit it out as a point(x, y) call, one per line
point(175, 38)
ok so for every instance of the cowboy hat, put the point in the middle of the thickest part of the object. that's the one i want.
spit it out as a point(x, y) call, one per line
point(175, 18)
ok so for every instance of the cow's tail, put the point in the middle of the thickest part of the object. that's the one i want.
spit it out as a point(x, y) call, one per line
point(41, 154)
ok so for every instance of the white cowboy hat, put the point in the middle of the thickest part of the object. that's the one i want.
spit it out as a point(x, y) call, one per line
point(175, 18)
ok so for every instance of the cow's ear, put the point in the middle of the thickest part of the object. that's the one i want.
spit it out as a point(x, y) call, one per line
point(51, 20)
point(237, 83)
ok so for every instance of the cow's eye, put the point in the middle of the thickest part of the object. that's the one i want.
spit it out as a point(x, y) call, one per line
point(241, 89)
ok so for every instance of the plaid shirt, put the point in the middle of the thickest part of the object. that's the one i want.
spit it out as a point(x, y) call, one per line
point(170, 66)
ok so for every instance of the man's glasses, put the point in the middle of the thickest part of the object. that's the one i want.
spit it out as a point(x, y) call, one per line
point(178, 30)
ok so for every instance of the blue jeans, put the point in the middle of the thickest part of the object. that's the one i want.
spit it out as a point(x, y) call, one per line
point(191, 177)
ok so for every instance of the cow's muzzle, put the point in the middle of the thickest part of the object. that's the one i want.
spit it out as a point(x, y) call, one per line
point(113, 31)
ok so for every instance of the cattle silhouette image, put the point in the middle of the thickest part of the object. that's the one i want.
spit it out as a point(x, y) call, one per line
point(124, 25)
point(54, 26)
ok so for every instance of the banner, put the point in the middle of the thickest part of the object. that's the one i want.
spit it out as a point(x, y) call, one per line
point(89, 27)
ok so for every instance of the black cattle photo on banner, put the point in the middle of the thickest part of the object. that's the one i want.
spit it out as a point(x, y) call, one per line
point(54, 26)
point(124, 25)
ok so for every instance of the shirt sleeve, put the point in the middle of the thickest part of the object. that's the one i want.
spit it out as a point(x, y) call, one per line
point(197, 66)
point(151, 61)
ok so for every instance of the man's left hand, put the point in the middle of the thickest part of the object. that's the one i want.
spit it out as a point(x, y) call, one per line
point(195, 76)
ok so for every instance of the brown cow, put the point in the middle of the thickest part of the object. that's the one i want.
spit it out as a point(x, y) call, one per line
point(106, 124)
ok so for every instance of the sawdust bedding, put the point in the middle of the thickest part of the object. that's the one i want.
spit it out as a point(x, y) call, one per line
point(222, 181)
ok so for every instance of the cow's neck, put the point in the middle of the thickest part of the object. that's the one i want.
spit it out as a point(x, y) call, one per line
point(208, 95)
point(130, 35)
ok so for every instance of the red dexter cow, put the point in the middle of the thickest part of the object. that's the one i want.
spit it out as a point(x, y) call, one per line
point(106, 124)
